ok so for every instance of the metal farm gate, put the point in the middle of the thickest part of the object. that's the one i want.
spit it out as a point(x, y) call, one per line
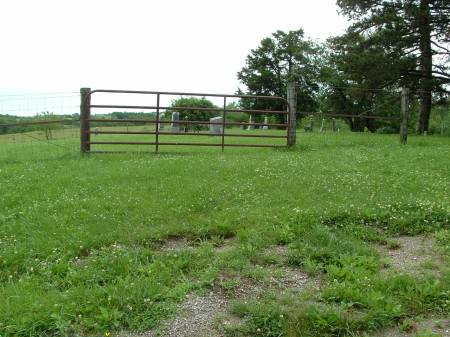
point(86, 121)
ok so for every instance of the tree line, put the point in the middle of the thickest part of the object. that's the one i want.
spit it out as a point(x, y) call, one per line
point(389, 44)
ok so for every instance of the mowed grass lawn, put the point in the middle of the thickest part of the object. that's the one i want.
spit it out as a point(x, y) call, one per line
point(81, 236)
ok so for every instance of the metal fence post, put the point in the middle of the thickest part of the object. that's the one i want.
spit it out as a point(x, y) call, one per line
point(157, 122)
point(85, 115)
point(404, 116)
point(292, 120)
point(224, 115)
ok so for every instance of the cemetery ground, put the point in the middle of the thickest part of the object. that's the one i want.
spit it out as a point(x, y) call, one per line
point(343, 235)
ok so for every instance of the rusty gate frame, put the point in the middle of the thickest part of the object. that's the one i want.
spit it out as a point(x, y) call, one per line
point(85, 120)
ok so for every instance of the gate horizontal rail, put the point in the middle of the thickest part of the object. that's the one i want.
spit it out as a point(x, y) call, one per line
point(150, 121)
point(182, 134)
point(86, 120)
point(183, 143)
point(170, 93)
point(147, 107)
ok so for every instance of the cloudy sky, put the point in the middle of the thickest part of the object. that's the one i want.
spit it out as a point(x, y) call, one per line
point(173, 45)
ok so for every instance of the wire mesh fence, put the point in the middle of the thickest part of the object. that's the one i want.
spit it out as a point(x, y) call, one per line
point(35, 124)
point(53, 103)
point(60, 137)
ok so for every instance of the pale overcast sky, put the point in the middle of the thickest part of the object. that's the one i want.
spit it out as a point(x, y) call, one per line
point(173, 45)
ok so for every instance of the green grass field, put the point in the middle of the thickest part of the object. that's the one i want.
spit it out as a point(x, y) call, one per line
point(82, 237)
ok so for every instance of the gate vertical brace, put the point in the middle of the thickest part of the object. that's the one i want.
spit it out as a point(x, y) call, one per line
point(224, 114)
point(85, 115)
point(404, 116)
point(157, 123)
point(292, 109)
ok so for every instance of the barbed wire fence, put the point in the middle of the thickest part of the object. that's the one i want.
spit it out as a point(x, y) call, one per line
point(33, 124)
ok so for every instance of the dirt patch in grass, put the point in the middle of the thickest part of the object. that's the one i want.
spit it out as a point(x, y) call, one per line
point(411, 254)
point(207, 316)
point(282, 251)
point(224, 247)
point(437, 326)
point(196, 317)
point(201, 316)
point(237, 286)
point(292, 279)
point(175, 244)
point(179, 243)
point(288, 277)
point(282, 277)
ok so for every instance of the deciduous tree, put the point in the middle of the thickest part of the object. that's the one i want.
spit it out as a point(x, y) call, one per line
point(281, 57)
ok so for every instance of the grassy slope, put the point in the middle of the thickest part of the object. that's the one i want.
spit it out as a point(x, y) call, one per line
point(79, 236)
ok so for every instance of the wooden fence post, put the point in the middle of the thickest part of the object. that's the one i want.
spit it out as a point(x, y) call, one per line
point(292, 99)
point(404, 116)
point(85, 115)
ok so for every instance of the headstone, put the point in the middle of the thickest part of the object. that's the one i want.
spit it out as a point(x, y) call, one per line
point(310, 126)
point(216, 128)
point(175, 118)
point(266, 121)
point(322, 126)
point(242, 127)
point(161, 125)
point(250, 127)
point(186, 127)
